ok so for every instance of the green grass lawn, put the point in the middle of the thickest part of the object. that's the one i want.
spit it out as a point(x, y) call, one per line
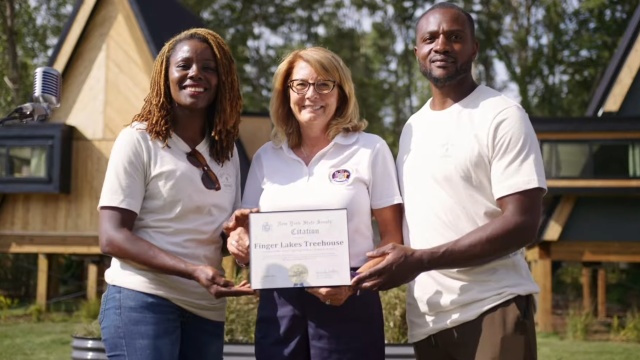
point(553, 348)
point(36, 341)
point(52, 341)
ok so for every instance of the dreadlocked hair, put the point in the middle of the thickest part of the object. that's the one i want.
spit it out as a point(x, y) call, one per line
point(222, 125)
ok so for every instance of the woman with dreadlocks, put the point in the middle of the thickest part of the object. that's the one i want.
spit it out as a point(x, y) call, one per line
point(173, 178)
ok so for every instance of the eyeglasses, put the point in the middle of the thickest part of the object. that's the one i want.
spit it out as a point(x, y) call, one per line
point(209, 178)
point(301, 87)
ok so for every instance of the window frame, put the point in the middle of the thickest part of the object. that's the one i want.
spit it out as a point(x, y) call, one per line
point(57, 140)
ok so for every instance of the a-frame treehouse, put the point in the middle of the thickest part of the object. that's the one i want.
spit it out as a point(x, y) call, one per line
point(105, 56)
point(593, 171)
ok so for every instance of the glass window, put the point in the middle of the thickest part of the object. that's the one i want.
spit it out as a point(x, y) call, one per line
point(610, 160)
point(565, 159)
point(591, 159)
point(27, 161)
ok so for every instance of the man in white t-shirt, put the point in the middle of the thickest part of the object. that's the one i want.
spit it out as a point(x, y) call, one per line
point(472, 180)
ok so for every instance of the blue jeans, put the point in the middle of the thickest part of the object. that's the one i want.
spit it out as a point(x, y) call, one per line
point(139, 326)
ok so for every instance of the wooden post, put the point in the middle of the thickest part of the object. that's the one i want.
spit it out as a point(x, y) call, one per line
point(541, 271)
point(42, 282)
point(92, 280)
point(587, 304)
point(602, 293)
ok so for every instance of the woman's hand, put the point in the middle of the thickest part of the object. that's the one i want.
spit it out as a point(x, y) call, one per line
point(370, 264)
point(238, 245)
point(334, 296)
point(239, 218)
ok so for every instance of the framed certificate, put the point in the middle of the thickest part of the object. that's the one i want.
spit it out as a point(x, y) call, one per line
point(299, 249)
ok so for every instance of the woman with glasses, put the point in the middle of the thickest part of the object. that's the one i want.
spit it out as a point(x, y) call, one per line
point(173, 178)
point(320, 158)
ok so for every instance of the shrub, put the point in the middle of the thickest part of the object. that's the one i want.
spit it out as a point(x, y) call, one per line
point(631, 329)
point(88, 313)
point(6, 303)
point(579, 323)
point(88, 310)
point(88, 330)
point(395, 314)
point(616, 327)
point(241, 317)
point(36, 312)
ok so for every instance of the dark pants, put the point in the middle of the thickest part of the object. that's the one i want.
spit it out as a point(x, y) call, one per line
point(293, 324)
point(506, 331)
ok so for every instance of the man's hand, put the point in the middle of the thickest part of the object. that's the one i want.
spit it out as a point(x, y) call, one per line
point(209, 278)
point(401, 264)
point(334, 296)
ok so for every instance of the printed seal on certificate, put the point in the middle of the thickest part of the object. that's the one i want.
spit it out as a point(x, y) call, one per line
point(298, 274)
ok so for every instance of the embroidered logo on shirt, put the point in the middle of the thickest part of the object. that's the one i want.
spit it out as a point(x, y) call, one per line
point(226, 181)
point(340, 176)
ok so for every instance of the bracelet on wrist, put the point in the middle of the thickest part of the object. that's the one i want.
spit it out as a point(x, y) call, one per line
point(241, 264)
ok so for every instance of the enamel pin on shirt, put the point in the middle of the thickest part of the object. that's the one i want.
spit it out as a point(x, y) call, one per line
point(340, 176)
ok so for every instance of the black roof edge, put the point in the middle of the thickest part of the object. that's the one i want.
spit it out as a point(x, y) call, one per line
point(585, 124)
point(65, 32)
point(615, 65)
point(161, 20)
point(143, 27)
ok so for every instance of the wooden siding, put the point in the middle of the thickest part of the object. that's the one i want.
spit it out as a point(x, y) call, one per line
point(74, 214)
point(593, 183)
point(128, 69)
point(46, 244)
point(84, 79)
point(74, 34)
point(255, 131)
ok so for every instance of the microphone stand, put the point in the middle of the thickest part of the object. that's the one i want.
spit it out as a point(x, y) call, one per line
point(36, 112)
point(14, 115)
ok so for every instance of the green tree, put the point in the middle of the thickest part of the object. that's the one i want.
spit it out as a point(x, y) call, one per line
point(551, 51)
point(378, 51)
point(29, 31)
point(554, 51)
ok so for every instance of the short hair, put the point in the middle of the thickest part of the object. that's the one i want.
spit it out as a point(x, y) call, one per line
point(328, 66)
point(223, 119)
point(451, 6)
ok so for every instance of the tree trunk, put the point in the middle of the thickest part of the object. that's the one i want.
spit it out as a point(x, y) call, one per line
point(9, 28)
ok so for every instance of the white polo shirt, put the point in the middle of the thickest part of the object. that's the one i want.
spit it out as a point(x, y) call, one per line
point(175, 212)
point(355, 171)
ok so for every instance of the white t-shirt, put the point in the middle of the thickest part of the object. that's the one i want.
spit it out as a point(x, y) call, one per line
point(452, 166)
point(175, 212)
point(355, 171)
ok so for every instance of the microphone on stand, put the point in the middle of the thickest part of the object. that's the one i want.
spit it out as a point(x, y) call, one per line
point(46, 86)
point(47, 83)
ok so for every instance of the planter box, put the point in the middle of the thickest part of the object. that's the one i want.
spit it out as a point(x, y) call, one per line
point(87, 348)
